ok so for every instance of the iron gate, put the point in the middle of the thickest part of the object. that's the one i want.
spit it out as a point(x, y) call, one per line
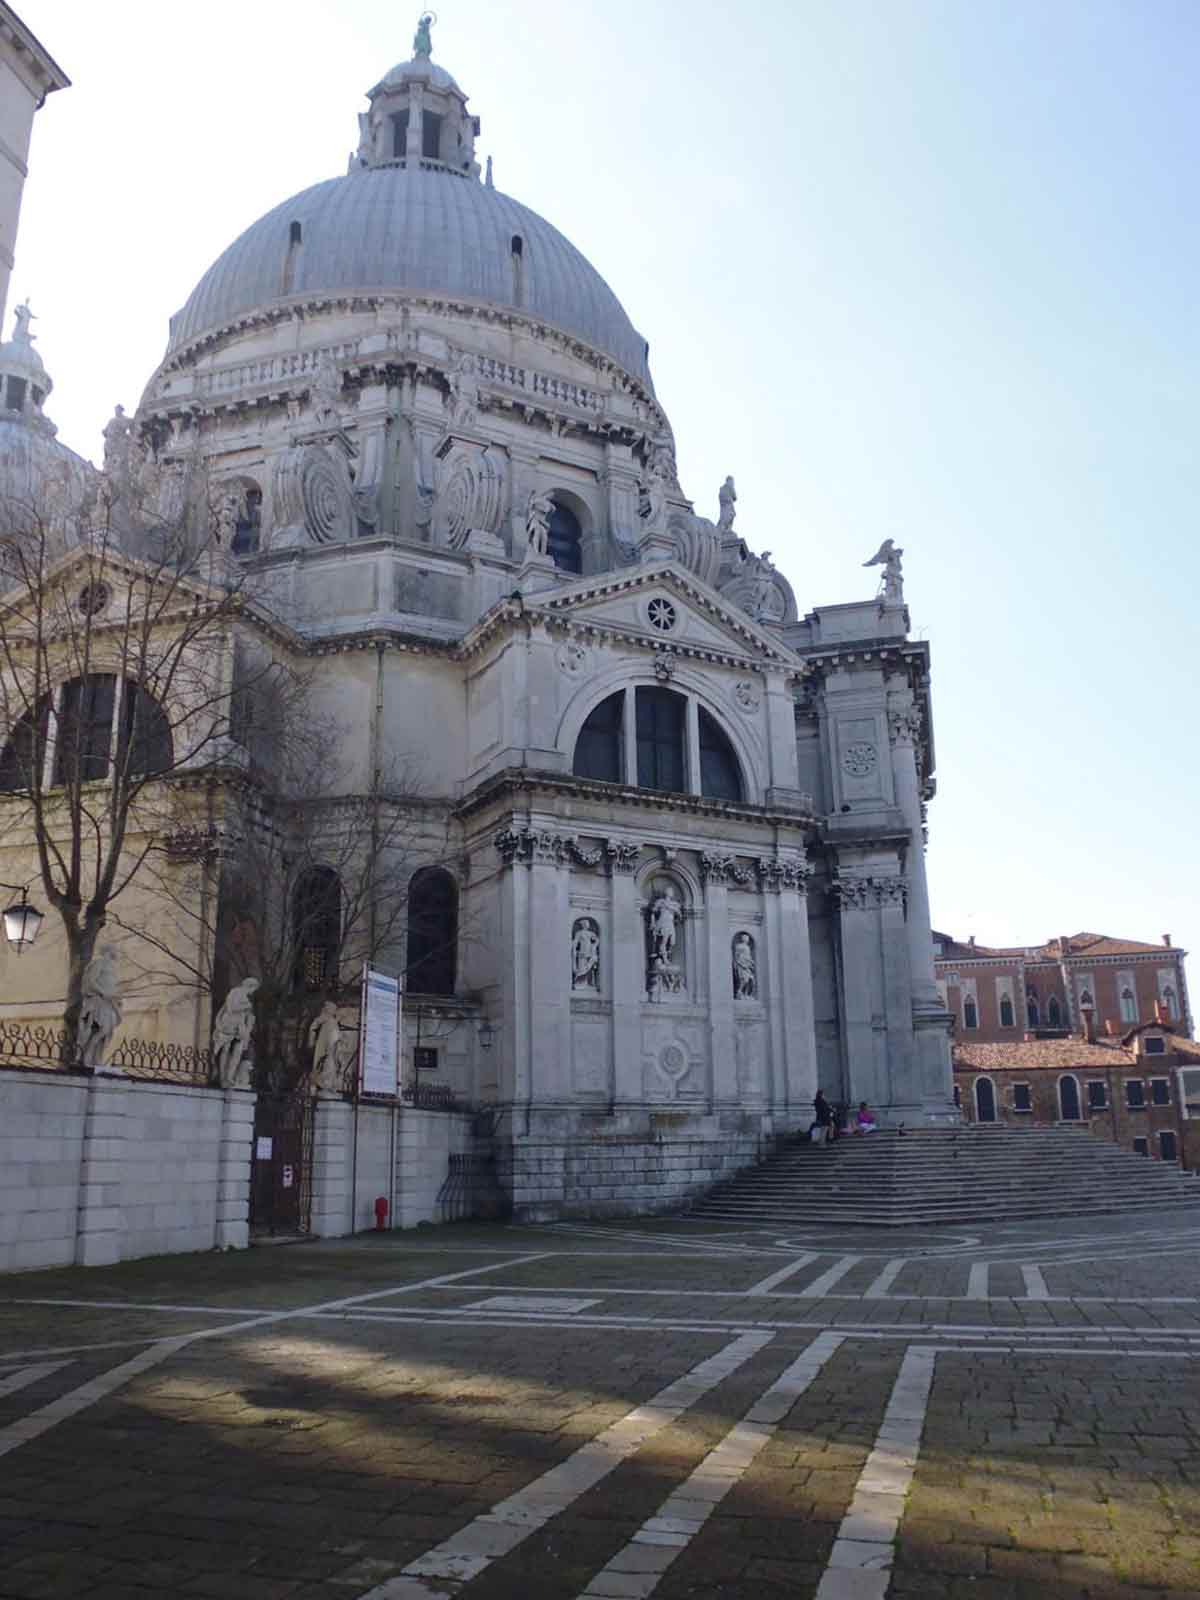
point(281, 1174)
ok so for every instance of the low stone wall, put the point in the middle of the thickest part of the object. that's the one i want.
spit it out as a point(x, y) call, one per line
point(102, 1168)
point(630, 1164)
point(399, 1152)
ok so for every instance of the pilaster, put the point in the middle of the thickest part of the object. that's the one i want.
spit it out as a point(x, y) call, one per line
point(99, 1221)
point(628, 971)
point(332, 1169)
point(791, 991)
point(715, 871)
point(234, 1161)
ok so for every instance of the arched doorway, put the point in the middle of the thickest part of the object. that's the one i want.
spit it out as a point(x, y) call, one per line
point(1068, 1098)
point(985, 1100)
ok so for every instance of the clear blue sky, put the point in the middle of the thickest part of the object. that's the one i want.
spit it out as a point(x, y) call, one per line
point(907, 268)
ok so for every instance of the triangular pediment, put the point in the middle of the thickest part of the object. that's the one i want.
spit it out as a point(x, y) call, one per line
point(667, 606)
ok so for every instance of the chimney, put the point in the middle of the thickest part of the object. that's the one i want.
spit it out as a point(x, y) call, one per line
point(1167, 940)
point(1087, 1024)
point(971, 942)
point(1161, 1015)
point(1110, 1025)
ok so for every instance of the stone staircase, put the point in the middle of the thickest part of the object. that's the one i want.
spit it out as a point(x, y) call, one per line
point(964, 1174)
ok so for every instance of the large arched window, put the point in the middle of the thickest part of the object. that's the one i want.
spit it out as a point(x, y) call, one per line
point(1053, 1012)
point(23, 756)
point(1129, 1010)
point(432, 932)
point(1033, 1010)
point(599, 748)
point(1007, 1019)
point(660, 724)
point(564, 543)
point(100, 719)
point(670, 741)
point(719, 774)
point(317, 927)
point(1068, 1098)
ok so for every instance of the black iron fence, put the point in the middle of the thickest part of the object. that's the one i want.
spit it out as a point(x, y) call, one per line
point(41, 1048)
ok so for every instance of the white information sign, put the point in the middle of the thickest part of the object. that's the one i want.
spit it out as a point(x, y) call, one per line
point(380, 1062)
point(263, 1148)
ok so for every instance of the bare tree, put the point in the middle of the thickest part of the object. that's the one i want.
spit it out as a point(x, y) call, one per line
point(118, 631)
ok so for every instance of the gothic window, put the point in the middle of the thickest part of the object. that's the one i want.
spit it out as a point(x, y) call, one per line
point(1032, 1009)
point(719, 775)
point(985, 1100)
point(1007, 1019)
point(317, 927)
point(1053, 1012)
point(563, 541)
point(1171, 1002)
point(660, 718)
point(432, 932)
point(1128, 1006)
point(23, 755)
point(970, 1013)
point(1068, 1098)
point(598, 750)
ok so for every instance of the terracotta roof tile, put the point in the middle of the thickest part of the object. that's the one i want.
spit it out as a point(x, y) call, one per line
point(1050, 1053)
point(1078, 944)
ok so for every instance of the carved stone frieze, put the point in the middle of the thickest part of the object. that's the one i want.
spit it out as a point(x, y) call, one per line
point(747, 695)
point(531, 845)
point(865, 892)
point(622, 855)
point(716, 869)
point(905, 723)
point(776, 873)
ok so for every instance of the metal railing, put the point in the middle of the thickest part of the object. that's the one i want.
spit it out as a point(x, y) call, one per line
point(40, 1048)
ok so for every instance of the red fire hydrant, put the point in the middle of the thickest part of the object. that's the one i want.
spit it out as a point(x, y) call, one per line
point(381, 1211)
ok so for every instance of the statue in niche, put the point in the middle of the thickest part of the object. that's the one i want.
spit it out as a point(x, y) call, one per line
point(326, 388)
point(463, 398)
point(118, 442)
point(585, 955)
point(663, 974)
point(325, 1037)
point(745, 975)
point(764, 588)
point(892, 583)
point(727, 496)
point(100, 1011)
point(231, 1036)
point(537, 523)
point(230, 509)
point(652, 494)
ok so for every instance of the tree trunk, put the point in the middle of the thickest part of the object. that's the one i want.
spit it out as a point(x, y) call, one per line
point(81, 947)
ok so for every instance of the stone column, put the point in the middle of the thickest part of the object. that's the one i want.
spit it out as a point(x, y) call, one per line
point(514, 1042)
point(627, 933)
point(100, 1222)
point(235, 1162)
point(415, 132)
point(715, 871)
point(931, 1021)
point(692, 746)
point(332, 1169)
point(790, 974)
point(549, 938)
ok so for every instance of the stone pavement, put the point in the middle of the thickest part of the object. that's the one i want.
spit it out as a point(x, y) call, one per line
point(665, 1408)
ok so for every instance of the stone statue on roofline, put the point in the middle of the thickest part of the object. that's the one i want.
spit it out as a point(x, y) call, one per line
point(892, 583)
point(22, 337)
point(423, 39)
point(727, 497)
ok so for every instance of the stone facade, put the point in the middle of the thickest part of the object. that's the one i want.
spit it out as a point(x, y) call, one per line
point(684, 822)
point(27, 75)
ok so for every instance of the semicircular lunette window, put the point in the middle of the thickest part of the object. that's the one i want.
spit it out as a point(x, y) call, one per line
point(598, 749)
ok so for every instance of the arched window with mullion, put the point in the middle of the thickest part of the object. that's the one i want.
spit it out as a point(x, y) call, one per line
point(660, 749)
point(599, 751)
point(720, 777)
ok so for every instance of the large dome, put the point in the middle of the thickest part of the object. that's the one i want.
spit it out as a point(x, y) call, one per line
point(391, 227)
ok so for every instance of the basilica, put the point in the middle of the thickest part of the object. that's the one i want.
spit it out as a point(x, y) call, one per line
point(673, 823)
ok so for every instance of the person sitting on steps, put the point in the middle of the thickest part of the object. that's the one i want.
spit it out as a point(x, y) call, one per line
point(864, 1121)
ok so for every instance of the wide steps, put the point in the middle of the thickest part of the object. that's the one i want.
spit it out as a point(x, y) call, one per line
point(931, 1176)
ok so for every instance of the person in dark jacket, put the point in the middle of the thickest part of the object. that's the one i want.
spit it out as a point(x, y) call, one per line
point(822, 1128)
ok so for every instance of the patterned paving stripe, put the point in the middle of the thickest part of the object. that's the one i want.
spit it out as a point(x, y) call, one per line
point(494, 1533)
point(977, 1281)
point(822, 1285)
point(69, 1405)
point(22, 1378)
point(1035, 1284)
point(768, 1283)
point(634, 1572)
point(885, 1280)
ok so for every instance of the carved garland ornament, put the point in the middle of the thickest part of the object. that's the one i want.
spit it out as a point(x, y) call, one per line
point(555, 849)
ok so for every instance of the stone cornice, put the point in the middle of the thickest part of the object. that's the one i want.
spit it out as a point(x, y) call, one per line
point(43, 72)
point(525, 781)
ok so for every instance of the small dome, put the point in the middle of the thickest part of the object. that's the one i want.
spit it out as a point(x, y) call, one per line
point(419, 67)
point(393, 228)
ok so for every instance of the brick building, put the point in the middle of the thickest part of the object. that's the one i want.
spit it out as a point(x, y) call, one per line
point(1139, 1089)
point(1002, 994)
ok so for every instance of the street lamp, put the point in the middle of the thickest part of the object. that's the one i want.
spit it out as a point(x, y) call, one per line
point(22, 922)
point(487, 1034)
